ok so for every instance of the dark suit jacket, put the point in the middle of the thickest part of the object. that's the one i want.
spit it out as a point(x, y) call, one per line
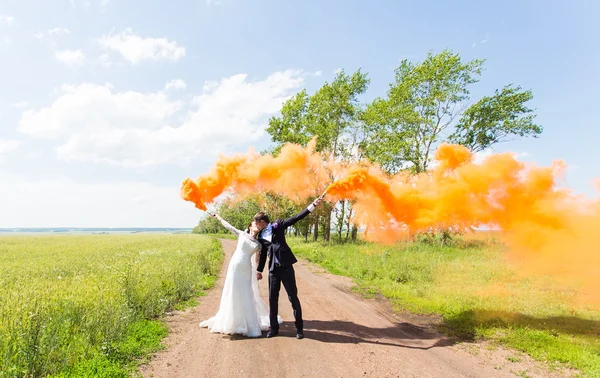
point(278, 245)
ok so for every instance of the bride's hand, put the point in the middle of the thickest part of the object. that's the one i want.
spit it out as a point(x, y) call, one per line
point(259, 276)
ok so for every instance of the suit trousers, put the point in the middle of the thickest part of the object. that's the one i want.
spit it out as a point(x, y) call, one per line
point(287, 276)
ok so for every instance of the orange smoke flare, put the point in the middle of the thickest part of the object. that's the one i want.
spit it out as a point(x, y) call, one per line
point(296, 172)
point(548, 230)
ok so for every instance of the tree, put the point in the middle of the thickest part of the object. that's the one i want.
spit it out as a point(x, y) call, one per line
point(208, 225)
point(292, 126)
point(495, 119)
point(423, 101)
point(238, 213)
point(331, 114)
point(428, 99)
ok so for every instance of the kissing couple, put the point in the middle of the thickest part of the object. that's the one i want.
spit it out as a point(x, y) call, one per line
point(242, 310)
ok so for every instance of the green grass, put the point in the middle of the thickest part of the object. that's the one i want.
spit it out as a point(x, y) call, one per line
point(90, 306)
point(476, 293)
point(222, 235)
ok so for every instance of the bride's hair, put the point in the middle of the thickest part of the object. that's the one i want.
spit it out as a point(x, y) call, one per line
point(248, 228)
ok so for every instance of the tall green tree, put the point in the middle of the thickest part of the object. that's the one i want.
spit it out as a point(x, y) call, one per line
point(292, 126)
point(496, 119)
point(421, 103)
point(426, 102)
point(331, 115)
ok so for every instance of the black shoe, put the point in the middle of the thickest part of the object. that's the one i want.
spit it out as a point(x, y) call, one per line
point(272, 333)
point(299, 335)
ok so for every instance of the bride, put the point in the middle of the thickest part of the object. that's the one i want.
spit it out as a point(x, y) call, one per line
point(242, 310)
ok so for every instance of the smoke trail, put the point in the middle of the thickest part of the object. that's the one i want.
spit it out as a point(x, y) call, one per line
point(296, 173)
point(500, 192)
point(548, 230)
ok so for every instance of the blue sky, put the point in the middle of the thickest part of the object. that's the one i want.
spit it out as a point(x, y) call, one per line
point(107, 105)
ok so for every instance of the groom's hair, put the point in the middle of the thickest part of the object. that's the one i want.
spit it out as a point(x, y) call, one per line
point(261, 216)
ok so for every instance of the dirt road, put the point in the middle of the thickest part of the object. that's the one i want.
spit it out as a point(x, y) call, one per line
point(345, 336)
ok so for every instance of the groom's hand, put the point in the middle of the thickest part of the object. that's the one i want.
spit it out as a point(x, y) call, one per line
point(259, 276)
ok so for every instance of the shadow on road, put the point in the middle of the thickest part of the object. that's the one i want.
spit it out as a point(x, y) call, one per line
point(402, 335)
point(465, 324)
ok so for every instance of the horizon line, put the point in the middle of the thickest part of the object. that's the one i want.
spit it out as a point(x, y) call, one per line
point(94, 227)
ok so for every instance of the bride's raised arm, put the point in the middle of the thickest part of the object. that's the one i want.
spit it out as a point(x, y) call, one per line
point(226, 224)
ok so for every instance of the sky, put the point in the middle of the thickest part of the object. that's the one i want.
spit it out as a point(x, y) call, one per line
point(106, 106)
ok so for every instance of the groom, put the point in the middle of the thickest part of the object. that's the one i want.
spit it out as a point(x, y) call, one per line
point(281, 259)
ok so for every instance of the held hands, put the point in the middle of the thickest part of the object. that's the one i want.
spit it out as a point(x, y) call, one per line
point(258, 276)
point(211, 214)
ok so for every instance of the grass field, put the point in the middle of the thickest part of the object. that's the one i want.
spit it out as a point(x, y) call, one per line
point(476, 293)
point(77, 306)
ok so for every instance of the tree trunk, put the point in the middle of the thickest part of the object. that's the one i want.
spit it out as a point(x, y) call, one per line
point(327, 228)
point(305, 231)
point(354, 232)
point(348, 223)
point(316, 230)
point(340, 220)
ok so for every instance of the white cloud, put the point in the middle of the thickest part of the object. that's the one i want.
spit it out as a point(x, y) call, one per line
point(176, 84)
point(6, 20)
point(7, 146)
point(20, 104)
point(95, 108)
point(337, 71)
point(22, 205)
point(105, 61)
point(70, 58)
point(136, 49)
point(52, 33)
point(6, 39)
point(318, 73)
point(95, 123)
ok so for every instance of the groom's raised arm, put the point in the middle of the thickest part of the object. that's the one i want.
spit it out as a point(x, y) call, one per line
point(298, 217)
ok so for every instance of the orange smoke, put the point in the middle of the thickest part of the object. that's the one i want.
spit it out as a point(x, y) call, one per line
point(296, 173)
point(499, 192)
point(548, 230)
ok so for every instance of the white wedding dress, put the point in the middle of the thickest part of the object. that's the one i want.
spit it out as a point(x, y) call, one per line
point(242, 310)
